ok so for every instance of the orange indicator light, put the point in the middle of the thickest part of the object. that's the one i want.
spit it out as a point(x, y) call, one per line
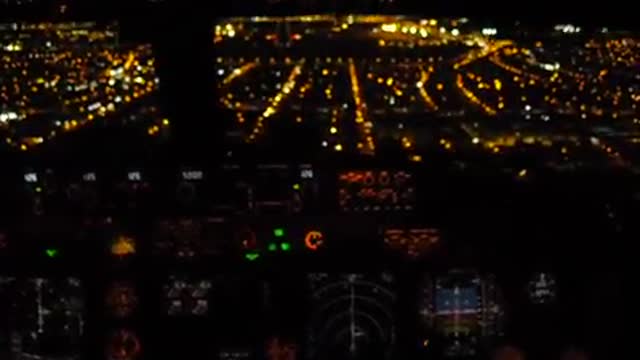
point(314, 240)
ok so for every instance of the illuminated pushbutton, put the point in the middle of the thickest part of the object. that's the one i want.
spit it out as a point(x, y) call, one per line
point(252, 256)
point(247, 239)
point(314, 240)
point(249, 243)
point(278, 232)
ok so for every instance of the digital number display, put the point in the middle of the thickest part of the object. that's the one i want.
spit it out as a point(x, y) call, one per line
point(374, 190)
point(31, 178)
point(89, 177)
point(134, 176)
point(192, 175)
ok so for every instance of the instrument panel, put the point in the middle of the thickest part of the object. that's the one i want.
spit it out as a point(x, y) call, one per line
point(274, 261)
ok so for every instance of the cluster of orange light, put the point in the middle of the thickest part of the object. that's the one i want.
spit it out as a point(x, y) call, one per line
point(471, 97)
point(406, 142)
point(556, 84)
point(485, 84)
point(625, 51)
point(497, 60)
point(83, 89)
point(154, 130)
point(238, 72)
point(446, 144)
point(286, 89)
point(123, 246)
point(421, 85)
point(366, 177)
point(593, 90)
point(477, 54)
point(333, 129)
point(496, 52)
point(365, 126)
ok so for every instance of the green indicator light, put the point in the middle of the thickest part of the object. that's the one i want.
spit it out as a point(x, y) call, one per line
point(252, 256)
point(278, 232)
point(285, 246)
point(273, 247)
point(52, 253)
point(296, 186)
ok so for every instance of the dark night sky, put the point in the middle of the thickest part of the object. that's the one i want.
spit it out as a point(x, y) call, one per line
point(609, 13)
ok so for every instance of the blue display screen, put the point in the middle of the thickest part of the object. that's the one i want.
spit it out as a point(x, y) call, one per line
point(456, 299)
